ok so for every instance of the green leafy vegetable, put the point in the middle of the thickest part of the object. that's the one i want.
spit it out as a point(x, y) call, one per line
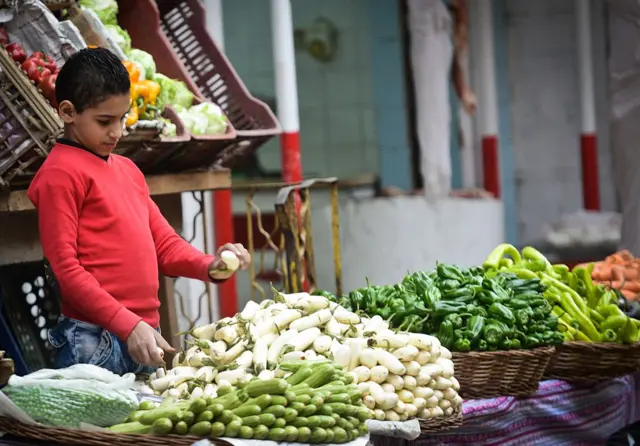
point(120, 37)
point(173, 92)
point(145, 60)
point(106, 10)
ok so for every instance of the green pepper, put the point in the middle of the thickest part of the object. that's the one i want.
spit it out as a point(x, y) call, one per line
point(462, 345)
point(475, 310)
point(517, 304)
point(501, 312)
point(431, 295)
point(492, 333)
point(356, 298)
point(580, 336)
point(442, 308)
point(533, 265)
point(475, 324)
point(445, 333)
point(530, 253)
point(521, 317)
point(523, 273)
point(482, 345)
point(609, 336)
point(455, 319)
point(575, 297)
point(505, 344)
point(614, 323)
point(448, 284)
point(449, 272)
point(629, 333)
point(501, 251)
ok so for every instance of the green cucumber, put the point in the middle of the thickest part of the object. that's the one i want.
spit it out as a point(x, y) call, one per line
point(207, 415)
point(273, 386)
point(260, 432)
point(217, 429)
point(280, 423)
point(276, 434)
point(267, 419)
point(252, 420)
point(233, 429)
point(246, 432)
point(201, 429)
point(181, 428)
point(290, 415)
point(290, 434)
point(245, 411)
point(278, 410)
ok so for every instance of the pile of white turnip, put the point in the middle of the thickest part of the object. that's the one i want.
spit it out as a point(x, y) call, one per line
point(402, 375)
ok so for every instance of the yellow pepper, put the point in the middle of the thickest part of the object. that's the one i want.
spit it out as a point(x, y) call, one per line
point(132, 116)
point(143, 94)
point(153, 91)
point(133, 70)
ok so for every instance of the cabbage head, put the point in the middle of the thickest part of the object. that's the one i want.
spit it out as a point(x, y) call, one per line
point(120, 37)
point(173, 92)
point(145, 60)
point(106, 10)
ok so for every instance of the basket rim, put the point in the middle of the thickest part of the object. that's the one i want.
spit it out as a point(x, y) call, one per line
point(538, 351)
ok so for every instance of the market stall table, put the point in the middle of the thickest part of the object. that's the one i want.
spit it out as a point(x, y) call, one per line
point(558, 414)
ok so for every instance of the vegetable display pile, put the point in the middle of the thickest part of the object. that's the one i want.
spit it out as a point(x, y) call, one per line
point(317, 403)
point(78, 394)
point(586, 311)
point(464, 308)
point(401, 375)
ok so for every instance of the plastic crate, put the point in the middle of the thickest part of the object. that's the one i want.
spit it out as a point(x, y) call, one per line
point(28, 126)
point(30, 312)
point(148, 150)
point(179, 25)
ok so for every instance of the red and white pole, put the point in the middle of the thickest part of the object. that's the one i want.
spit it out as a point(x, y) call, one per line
point(487, 101)
point(222, 200)
point(284, 63)
point(588, 136)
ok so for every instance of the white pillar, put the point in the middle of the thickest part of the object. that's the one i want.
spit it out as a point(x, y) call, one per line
point(585, 67)
point(487, 98)
point(588, 137)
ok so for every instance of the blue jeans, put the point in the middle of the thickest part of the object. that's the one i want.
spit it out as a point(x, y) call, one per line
point(79, 342)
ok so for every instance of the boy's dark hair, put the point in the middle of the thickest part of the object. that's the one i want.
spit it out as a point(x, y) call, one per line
point(91, 76)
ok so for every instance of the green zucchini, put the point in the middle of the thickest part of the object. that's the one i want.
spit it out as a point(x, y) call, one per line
point(201, 429)
point(259, 387)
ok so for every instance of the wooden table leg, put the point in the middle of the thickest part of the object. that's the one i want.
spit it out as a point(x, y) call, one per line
point(168, 315)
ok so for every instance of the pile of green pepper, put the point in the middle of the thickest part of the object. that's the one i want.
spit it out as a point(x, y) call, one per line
point(586, 312)
point(462, 307)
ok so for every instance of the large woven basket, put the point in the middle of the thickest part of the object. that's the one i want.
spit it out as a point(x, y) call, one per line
point(77, 437)
point(440, 424)
point(586, 362)
point(501, 373)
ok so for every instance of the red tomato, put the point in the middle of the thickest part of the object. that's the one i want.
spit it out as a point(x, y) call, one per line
point(48, 87)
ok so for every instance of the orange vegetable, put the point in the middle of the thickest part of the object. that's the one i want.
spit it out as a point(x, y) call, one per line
point(133, 70)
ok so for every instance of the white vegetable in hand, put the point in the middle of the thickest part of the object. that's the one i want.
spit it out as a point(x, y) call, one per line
point(230, 260)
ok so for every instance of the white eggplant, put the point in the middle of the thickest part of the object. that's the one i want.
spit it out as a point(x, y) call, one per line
point(455, 384)
point(409, 382)
point(245, 359)
point(204, 332)
point(276, 348)
point(210, 390)
point(368, 358)
point(447, 367)
point(449, 394)
point(317, 319)
point(423, 392)
point(405, 395)
point(341, 354)
point(356, 345)
point(250, 310)
point(432, 402)
point(371, 326)
point(379, 414)
point(413, 368)
point(197, 392)
point(346, 317)
point(411, 410)
point(229, 334)
point(421, 341)
point(231, 354)
point(396, 381)
point(161, 372)
point(419, 403)
point(400, 407)
point(369, 401)
point(294, 355)
point(443, 383)
point(379, 374)
point(406, 354)
point(445, 353)
point(423, 357)
point(322, 344)
point(310, 354)
point(335, 328)
point(388, 388)
point(266, 374)
point(231, 376)
point(392, 363)
point(389, 341)
point(391, 415)
point(207, 373)
point(282, 320)
point(184, 371)
point(293, 299)
point(305, 338)
point(260, 351)
point(363, 373)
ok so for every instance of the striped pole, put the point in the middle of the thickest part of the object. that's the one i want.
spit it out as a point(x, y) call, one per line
point(588, 135)
point(284, 62)
point(222, 200)
point(488, 106)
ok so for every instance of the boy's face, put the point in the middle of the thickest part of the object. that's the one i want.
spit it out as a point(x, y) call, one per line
point(98, 128)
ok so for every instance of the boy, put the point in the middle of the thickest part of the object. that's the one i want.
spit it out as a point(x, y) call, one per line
point(101, 233)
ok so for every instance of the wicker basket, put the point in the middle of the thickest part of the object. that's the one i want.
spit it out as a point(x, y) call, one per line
point(28, 126)
point(441, 424)
point(501, 373)
point(586, 362)
point(59, 435)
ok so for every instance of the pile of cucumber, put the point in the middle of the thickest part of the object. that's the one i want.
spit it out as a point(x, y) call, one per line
point(316, 404)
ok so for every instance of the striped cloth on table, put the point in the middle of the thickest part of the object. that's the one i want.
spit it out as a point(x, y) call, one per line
point(559, 414)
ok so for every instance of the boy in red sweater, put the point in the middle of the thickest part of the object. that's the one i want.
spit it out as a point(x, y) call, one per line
point(102, 235)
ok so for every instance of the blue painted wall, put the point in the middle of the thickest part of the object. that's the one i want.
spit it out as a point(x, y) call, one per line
point(388, 81)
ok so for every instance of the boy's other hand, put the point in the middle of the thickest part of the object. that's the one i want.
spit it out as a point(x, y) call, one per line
point(218, 269)
point(145, 345)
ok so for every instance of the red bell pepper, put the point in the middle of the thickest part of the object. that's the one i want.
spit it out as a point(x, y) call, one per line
point(34, 71)
point(48, 87)
point(45, 61)
point(16, 52)
point(4, 37)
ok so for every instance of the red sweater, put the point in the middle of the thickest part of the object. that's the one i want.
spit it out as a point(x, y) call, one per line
point(105, 239)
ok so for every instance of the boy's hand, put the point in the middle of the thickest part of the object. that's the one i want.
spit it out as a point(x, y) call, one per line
point(146, 345)
point(218, 270)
